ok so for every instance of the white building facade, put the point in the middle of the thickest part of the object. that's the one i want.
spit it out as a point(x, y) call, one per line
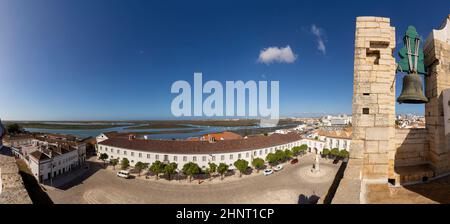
point(202, 159)
point(47, 160)
point(49, 166)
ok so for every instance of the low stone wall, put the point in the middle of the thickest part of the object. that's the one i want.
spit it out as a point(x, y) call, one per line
point(12, 189)
point(412, 147)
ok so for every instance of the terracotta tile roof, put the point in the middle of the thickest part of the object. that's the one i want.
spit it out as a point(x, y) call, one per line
point(115, 134)
point(345, 133)
point(202, 147)
point(19, 137)
point(55, 150)
point(39, 155)
point(226, 135)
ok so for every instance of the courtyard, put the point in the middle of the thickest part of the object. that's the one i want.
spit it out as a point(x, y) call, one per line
point(102, 186)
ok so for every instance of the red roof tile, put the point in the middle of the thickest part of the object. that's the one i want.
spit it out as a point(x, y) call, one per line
point(201, 147)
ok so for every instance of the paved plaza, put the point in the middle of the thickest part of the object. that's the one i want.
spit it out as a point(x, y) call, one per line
point(102, 186)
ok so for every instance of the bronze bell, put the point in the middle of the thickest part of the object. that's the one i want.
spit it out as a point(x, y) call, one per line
point(412, 92)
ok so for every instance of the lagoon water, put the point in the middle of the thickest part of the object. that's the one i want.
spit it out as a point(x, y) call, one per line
point(95, 132)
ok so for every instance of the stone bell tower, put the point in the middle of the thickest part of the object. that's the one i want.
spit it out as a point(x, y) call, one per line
point(373, 109)
point(373, 140)
point(380, 152)
point(437, 82)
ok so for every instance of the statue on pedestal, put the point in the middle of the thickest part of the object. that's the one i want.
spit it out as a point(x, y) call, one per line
point(316, 167)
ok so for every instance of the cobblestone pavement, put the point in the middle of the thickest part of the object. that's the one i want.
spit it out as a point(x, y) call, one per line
point(102, 186)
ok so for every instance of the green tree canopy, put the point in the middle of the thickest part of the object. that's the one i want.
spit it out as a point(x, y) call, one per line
point(124, 164)
point(258, 163)
point(271, 158)
point(325, 152)
point(139, 166)
point(241, 165)
point(170, 169)
point(343, 153)
point(288, 154)
point(222, 169)
point(190, 169)
point(14, 129)
point(296, 150)
point(103, 157)
point(156, 168)
point(212, 167)
point(334, 152)
point(114, 163)
point(304, 147)
point(280, 155)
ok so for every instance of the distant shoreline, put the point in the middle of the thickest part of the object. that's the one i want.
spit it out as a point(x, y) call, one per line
point(138, 125)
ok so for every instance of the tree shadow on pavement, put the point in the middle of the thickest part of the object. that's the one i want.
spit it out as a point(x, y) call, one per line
point(303, 199)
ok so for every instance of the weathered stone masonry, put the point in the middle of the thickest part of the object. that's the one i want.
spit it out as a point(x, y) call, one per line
point(437, 61)
point(12, 190)
point(374, 97)
point(381, 153)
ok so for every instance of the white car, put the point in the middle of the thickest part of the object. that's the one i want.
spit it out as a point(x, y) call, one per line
point(124, 174)
point(267, 172)
point(278, 168)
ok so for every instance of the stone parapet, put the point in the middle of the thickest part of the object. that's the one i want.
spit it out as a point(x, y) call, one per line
point(349, 190)
point(412, 147)
point(12, 189)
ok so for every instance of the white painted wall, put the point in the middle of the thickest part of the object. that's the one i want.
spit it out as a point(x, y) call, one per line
point(202, 160)
point(61, 164)
point(101, 137)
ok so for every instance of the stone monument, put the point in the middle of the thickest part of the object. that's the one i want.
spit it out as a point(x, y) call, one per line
point(316, 168)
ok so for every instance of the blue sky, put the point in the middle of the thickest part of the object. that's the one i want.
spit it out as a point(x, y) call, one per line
point(111, 59)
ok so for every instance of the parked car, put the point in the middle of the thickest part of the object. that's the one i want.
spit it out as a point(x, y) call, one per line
point(267, 172)
point(124, 174)
point(278, 168)
point(294, 161)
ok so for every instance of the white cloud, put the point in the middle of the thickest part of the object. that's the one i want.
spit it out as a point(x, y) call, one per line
point(276, 54)
point(320, 38)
